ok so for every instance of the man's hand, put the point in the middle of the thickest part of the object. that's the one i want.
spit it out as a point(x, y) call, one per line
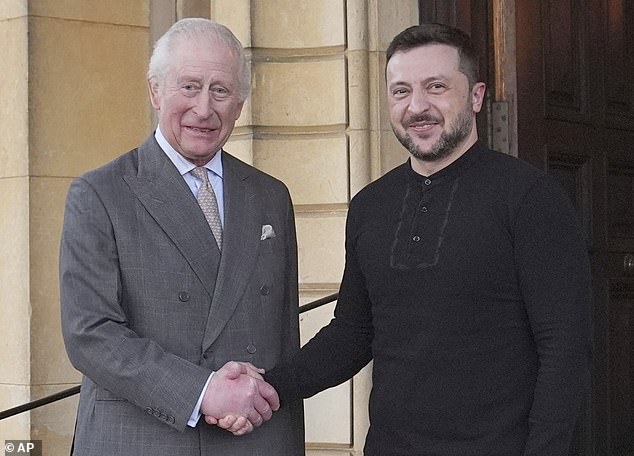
point(238, 399)
point(237, 425)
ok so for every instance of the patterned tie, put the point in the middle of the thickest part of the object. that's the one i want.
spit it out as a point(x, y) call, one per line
point(209, 204)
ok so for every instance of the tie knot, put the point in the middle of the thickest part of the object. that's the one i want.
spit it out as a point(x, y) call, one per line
point(201, 173)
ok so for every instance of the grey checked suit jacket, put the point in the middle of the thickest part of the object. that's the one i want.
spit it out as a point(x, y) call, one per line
point(150, 307)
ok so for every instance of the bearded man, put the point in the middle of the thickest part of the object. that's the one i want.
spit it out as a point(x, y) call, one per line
point(466, 281)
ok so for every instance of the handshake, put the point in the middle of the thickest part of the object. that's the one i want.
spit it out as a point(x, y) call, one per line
point(238, 399)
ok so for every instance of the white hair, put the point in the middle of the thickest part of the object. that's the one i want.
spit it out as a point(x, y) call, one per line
point(201, 29)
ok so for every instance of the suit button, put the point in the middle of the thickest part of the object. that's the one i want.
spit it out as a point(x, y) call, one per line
point(149, 410)
point(171, 419)
point(183, 296)
point(251, 348)
point(264, 290)
point(157, 413)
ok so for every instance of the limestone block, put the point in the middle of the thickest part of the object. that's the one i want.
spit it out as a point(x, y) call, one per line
point(327, 415)
point(49, 363)
point(314, 168)
point(291, 24)
point(357, 25)
point(240, 146)
point(12, 9)
point(360, 160)
point(300, 93)
point(16, 427)
point(14, 281)
point(235, 14)
point(134, 13)
point(359, 95)
point(314, 450)
point(320, 239)
point(14, 152)
point(54, 423)
point(380, 118)
point(393, 153)
point(391, 18)
point(88, 95)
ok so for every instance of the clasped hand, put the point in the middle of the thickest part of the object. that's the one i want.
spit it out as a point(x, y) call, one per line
point(238, 399)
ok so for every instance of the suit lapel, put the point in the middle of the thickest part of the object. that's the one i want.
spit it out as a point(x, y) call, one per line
point(165, 195)
point(240, 244)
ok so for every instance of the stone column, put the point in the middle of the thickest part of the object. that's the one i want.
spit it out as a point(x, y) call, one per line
point(74, 97)
point(14, 218)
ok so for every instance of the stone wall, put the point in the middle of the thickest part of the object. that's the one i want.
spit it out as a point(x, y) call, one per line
point(74, 97)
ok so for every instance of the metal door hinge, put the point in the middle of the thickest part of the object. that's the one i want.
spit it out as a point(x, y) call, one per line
point(500, 126)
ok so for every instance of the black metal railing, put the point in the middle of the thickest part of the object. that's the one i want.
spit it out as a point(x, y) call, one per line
point(75, 389)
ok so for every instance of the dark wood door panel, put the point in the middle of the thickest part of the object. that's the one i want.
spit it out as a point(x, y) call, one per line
point(575, 112)
point(564, 54)
point(621, 368)
point(619, 63)
point(574, 116)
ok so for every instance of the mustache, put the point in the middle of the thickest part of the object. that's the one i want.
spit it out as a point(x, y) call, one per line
point(421, 118)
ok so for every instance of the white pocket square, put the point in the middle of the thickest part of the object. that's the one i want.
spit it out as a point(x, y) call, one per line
point(267, 232)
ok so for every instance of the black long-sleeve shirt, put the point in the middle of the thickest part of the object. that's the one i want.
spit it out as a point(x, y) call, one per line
point(471, 290)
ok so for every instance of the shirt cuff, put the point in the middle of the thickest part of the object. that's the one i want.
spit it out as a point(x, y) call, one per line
point(195, 416)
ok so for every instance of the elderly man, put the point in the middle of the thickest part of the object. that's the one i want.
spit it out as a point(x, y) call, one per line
point(466, 281)
point(176, 258)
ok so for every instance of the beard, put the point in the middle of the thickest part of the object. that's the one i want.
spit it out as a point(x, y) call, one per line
point(447, 143)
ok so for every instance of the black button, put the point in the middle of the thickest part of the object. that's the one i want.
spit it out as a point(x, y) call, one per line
point(183, 296)
point(149, 410)
point(416, 239)
point(264, 290)
point(423, 209)
point(251, 348)
point(427, 181)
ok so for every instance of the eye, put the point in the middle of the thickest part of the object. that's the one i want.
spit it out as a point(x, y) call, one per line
point(220, 92)
point(436, 87)
point(189, 88)
point(399, 92)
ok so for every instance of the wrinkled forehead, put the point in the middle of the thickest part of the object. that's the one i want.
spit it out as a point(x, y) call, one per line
point(202, 54)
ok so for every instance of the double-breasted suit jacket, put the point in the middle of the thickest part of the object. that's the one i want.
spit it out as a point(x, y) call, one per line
point(150, 307)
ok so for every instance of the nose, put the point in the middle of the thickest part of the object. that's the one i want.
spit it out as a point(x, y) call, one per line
point(418, 102)
point(203, 104)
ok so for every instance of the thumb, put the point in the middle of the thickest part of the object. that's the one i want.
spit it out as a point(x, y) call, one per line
point(233, 370)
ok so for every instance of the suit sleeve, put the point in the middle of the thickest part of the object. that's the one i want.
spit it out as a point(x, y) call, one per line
point(290, 337)
point(98, 339)
point(555, 280)
point(340, 349)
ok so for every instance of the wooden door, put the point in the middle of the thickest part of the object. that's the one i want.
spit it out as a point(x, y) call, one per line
point(472, 17)
point(575, 119)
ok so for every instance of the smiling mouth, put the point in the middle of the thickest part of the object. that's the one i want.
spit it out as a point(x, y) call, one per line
point(422, 126)
point(199, 130)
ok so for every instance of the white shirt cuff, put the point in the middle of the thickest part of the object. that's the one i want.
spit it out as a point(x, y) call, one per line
point(193, 419)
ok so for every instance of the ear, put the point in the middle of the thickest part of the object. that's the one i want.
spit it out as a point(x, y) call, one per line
point(477, 96)
point(155, 98)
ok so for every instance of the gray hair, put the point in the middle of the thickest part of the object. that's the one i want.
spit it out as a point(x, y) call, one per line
point(202, 29)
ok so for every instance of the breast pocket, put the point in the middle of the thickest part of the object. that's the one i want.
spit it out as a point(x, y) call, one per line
point(270, 246)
